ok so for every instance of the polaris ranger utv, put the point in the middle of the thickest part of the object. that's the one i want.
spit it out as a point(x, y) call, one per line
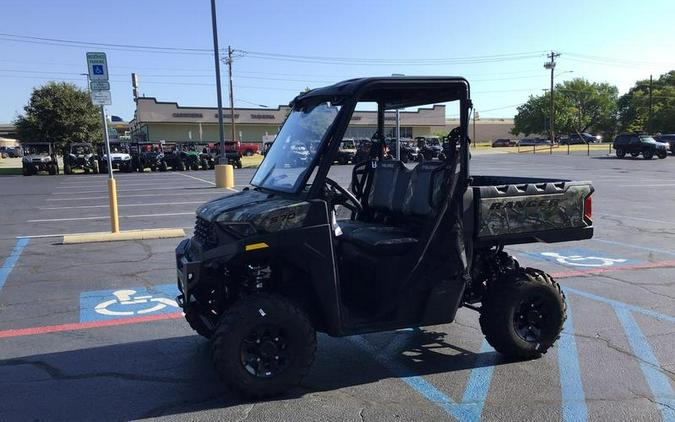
point(120, 157)
point(80, 155)
point(37, 157)
point(271, 265)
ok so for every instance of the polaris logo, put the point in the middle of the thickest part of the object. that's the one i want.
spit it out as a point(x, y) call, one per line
point(532, 203)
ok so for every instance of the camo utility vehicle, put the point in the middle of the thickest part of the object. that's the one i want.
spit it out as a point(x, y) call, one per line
point(269, 266)
point(80, 155)
point(37, 157)
point(147, 155)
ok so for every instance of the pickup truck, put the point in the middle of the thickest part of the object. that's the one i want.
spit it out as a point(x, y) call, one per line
point(403, 246)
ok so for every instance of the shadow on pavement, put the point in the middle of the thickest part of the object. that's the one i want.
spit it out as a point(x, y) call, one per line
point(174, 376)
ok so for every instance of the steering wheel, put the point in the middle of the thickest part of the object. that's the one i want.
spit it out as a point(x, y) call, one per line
point(338, 195)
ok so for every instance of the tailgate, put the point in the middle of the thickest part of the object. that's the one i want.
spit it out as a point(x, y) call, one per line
point(533, 211)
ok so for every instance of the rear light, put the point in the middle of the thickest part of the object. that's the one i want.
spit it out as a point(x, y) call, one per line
point(588, 208)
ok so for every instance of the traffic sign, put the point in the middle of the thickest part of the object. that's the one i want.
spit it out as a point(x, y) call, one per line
point(101, 98)
point(97, 66)
point(98, 85)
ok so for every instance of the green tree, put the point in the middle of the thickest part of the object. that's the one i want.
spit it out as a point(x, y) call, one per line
point(634, 106)
point(59, 112)
point(580, 105)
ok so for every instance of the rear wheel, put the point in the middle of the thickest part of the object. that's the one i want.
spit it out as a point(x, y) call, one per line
point(26, 171)
point(648, 154)
point(523, 317)
point(95, 168)
point(194, 165)
point(163, 166)
point(620, 152)
point(204, 164)
point(53, 170)
point(180, 165)
point(263, 346)
point(67, 169)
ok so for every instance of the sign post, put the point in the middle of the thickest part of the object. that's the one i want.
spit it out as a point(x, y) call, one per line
point(97, 66)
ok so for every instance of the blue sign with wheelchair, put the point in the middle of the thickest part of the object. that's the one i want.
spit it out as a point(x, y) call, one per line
point(126, 303)
point(583, 258)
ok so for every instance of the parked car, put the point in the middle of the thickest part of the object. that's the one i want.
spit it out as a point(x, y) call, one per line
point(147, 155)
point(120, 157)
point(667, 138)
point(430, 146)
point(10, 152)
point(249, 149)
point(525, 142)
point(636, 144)
point(409, 152)
point(504, 142)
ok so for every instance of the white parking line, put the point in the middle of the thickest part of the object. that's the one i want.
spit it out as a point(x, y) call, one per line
point(196, 178)
point(648, 186)
point(141, 190)
point(150, 204)
point(70, 198)
point(104, 185)
point(106, 217)
point(206, 181)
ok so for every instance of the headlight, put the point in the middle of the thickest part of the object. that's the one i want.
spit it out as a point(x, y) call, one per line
point(238, 230)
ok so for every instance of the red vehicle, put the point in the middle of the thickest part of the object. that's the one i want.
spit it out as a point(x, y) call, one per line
point(248, 149)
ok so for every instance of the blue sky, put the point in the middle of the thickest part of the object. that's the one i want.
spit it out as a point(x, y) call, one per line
point(614, 41)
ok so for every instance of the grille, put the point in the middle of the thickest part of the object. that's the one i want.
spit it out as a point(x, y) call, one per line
point(205, 232)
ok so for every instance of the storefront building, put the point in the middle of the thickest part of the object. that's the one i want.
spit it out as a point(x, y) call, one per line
point(156, 121)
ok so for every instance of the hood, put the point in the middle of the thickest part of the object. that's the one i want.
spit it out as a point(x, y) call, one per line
point(117, 156)
point(264, 211)
point(662, 144)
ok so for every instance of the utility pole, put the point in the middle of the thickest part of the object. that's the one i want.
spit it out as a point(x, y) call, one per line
point(551, 65)
point(229, 71)
point(216, 57)
point(649, 120)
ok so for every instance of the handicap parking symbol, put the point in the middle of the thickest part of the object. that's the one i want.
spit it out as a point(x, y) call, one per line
point(97, 69)
point(583, 258)
point(126, 303)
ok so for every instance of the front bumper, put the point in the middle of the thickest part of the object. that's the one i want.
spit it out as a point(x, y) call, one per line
point(187, 272)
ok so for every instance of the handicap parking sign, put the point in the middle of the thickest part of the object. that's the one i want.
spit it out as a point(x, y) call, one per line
point(583, 258)
point(125, 303)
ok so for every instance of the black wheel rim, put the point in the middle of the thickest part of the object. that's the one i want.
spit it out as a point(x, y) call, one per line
point(530, 319)
point(264, 351)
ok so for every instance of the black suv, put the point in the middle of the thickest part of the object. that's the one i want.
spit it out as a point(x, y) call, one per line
point(636, 144)
point(667, 138)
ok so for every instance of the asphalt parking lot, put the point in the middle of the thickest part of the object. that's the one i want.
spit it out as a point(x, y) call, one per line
point(62, 359)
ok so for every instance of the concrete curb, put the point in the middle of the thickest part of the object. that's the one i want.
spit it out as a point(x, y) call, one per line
point(123, 235)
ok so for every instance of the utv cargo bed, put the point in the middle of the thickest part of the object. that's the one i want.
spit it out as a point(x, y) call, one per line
point(514, 210)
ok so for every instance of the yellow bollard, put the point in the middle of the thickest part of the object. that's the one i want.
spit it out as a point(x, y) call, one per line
point(224, 176)
point(114, 216)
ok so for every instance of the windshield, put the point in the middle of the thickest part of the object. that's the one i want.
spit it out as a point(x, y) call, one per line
point(647, 139)
point(348, 145)
point(290, 157)
point(36, 149)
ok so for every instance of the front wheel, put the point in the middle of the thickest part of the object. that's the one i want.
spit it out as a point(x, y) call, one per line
point(648, 155)
point(204, 164)
point(180, 165)
point(263, 346)
point(662, 154)
point(523, 316)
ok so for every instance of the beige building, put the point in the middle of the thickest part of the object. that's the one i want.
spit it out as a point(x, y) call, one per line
point(168, 121)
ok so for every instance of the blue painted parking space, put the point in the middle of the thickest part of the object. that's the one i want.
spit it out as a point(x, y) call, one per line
point(128, 302)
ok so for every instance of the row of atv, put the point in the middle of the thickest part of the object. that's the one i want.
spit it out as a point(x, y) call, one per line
point(125, 157)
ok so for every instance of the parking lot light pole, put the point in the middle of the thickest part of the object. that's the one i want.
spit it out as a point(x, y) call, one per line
point(216, 57)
